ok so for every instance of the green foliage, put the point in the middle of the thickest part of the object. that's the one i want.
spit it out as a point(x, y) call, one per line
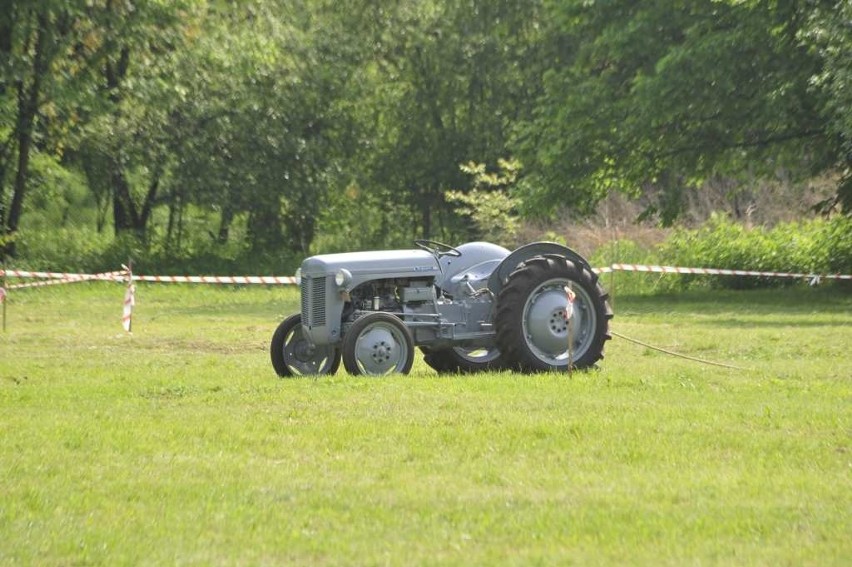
point(835, 245)
point(66, 67)
point(79, 247)
point(653, 97)
point(264, 130)
point(360, 219)
point(625, 251)
point(828, 31)
point(489, 203)
point(297, 127)
point(59, 196)
point(442, 83)
point(815, 246)
point(66, 249)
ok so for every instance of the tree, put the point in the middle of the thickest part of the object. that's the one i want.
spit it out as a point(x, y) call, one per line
point(263, 130)
point(829, 30)
point(445, 82)
point(489, 205)
point(33, 36)
point(125, 146)
point(54, 53)
point(666, 94)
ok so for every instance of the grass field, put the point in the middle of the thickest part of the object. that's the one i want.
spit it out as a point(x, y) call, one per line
point(178, 445)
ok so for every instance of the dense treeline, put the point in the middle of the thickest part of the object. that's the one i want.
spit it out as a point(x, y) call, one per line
point(269, 128)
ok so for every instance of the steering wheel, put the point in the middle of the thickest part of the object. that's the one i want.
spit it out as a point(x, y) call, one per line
point(438, 249)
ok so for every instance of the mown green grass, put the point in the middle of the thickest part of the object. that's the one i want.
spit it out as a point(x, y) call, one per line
point(179, 445)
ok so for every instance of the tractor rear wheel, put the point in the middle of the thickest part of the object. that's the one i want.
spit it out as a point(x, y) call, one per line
point(461, 360)
point(532, 331)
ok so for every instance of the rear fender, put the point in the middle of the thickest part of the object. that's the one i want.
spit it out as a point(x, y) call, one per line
point(473, 254)
point(501, 275)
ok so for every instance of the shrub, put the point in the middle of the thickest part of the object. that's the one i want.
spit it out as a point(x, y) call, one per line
point(813, 246)
point(626, 251)
point(61, 249)
point(836, 246)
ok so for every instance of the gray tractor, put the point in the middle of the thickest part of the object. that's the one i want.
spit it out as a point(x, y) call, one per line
point(469, 308)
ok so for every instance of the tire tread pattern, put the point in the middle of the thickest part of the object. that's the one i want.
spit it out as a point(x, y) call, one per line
point(510, 304)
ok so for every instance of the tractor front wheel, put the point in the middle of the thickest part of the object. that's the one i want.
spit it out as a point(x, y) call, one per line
point(378, 344)
point(532, 330)
point(293, 355)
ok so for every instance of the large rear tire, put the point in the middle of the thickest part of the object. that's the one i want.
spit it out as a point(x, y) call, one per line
point(293, 355)
point(532, 332)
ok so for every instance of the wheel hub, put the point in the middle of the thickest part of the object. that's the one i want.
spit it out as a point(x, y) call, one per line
point(303, 350)
point(378, 351)
point(546, 323)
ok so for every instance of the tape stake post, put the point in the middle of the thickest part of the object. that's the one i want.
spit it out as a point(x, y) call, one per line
point(129, 300)
point(615, 258)
point(569, 321)
point(3, 297)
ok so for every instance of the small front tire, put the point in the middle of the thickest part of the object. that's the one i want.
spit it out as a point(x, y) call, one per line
point(293, 355)
point(377, 344)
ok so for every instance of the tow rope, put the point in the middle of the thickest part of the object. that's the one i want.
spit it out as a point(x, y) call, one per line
point(677, 354)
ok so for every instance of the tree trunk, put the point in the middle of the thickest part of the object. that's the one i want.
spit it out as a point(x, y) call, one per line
point(123, 210)
point(148, 203)
point(264, 229)
point(225, 225)
point(126, 215)
point(5, 53)
point(174, 203)
point(426, 210)
point(28, 101)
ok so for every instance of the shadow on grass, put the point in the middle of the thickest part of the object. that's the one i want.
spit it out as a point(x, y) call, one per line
point(764, 324)
point(793, 301)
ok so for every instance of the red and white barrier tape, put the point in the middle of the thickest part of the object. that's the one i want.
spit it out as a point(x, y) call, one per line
point(268, 280)
point(125, 275)
point(121, 276)
point(719, 272)
point(67, 278)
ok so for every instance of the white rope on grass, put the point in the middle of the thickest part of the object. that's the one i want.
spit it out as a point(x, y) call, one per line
point(679, 355)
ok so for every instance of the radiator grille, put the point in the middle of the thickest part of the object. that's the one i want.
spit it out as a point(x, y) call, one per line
point(313, 301)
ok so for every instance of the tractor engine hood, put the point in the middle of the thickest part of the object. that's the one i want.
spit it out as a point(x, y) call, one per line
point(364, 266)
point(325, 277)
